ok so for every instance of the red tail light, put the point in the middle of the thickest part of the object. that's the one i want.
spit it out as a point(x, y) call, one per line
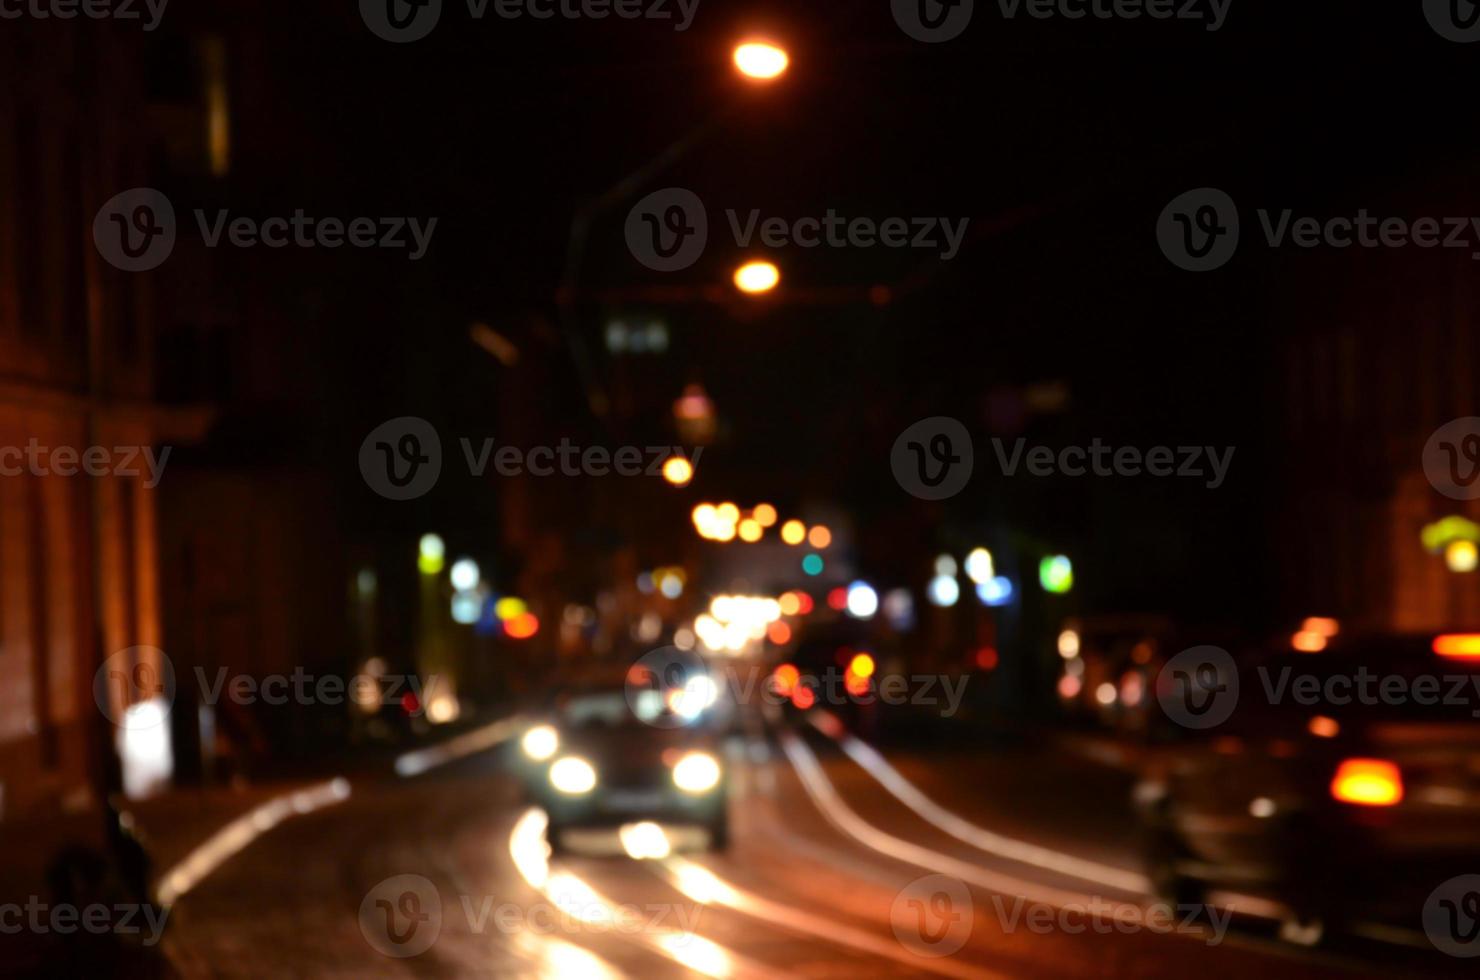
point(1368, 782)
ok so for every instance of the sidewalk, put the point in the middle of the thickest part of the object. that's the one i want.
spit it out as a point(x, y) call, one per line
point(170, 826)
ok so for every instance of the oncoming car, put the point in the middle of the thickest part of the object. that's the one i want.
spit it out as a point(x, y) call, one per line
point(592, 762)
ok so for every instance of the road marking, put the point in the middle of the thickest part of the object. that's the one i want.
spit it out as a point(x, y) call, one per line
point(978, 837)
point(826, 798)
point(571, 894)
point(241, 832)
point(707, 888)
point(418, 761)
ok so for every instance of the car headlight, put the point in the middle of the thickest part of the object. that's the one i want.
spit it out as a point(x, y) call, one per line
point(697, 772)
point(573, 775)
point(540, 742)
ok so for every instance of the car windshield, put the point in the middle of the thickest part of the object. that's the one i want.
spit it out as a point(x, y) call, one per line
point(609, 709)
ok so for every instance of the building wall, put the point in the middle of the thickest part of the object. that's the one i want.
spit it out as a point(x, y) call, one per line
point(1377, 350)
point(74, 372)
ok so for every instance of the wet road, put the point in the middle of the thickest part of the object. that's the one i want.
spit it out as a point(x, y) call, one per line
point(828, 874)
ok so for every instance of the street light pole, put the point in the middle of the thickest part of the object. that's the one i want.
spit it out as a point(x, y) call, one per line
point(757, 61)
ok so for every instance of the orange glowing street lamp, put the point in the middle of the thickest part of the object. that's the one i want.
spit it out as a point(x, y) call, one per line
point(678, 471)
point(757, 277)
point(761, 60)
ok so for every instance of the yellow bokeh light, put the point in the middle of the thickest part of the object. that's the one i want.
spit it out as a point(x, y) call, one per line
point(1461, 556)
point(750, 530)
point(678, 471)
point(793, 532)
point(727, 513)
point(760, 60)
point(757, 277)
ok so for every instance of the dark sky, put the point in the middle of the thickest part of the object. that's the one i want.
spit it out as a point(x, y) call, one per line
point(1060, 140)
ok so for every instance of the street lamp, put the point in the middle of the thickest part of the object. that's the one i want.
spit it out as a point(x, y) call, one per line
point(757, 277)
point(761, 61)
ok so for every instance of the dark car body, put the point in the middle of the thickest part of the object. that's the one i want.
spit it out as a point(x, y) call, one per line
point(1249, 805)
point(634, 761)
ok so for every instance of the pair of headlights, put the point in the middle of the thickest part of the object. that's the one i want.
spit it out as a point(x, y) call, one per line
point(696, 772)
